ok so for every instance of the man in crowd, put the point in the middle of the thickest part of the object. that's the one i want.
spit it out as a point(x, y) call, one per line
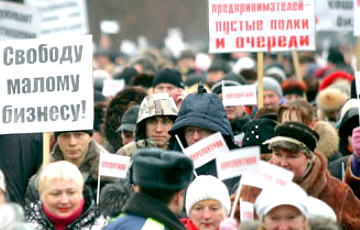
point(272, 92)
point(128, 124)
point(160, 178)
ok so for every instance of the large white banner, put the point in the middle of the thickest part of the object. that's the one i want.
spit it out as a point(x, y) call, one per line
point(356, 18)
point(334, 15)
point(206, 149)
point(46, 85)
point(261, 25)
point(65, 17)
point(18, 21)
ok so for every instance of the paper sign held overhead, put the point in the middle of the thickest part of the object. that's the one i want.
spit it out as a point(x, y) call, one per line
point(261, 25)
point(46, 85)
point(113, 165)
point(267, 175)
point(239, 95)
point(356, 18)
point(112, 87)
point(206, 149)
point(334, 15)
point(236, 162)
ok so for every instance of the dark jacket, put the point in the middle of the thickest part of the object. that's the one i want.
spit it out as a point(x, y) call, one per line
point(21, 157)
point(147, 213)
point(90, 218)
point(238, 124)
point(205, 111)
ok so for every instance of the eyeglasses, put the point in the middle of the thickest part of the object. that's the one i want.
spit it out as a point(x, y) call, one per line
point(189, 131)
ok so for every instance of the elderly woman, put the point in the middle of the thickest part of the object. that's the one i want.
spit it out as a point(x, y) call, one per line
point(283, 208)
point(63, 203)
point(207, 203)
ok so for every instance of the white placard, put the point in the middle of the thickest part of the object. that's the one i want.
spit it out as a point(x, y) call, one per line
point(239, 138)
point(246, 211)
point(267, 175)
point(112, 87)
point(46, 85)
point(236, 162)
point(334, 15)
point(206, 149)
point(110, 26)
point(18, 21)
point(261, 25)
point(65, 17)
point(113, 165)
point(357, 83)
point(239, 95)
point(356, 18)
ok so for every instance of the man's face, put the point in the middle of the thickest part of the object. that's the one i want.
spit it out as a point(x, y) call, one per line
point(206, 214)
point(194, 134)
point(127, 136)
point(271, 99)
point(74, 145)
point(296, 162)
point(291, 97)
point(157, 128)
point(233, 112)
point(175, 92)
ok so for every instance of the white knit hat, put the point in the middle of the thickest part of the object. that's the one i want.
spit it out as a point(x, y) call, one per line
point(206, 187)
point(272, 197)
point(2, 181)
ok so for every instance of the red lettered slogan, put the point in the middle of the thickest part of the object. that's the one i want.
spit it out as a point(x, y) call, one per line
point(261, 25)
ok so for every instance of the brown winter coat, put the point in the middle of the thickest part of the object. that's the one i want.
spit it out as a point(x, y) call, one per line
point(351, 179)
point(320, 184)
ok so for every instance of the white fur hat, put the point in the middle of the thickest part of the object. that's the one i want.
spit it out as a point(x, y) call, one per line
point(272, 197)
point(2, 181)
point(206, 187)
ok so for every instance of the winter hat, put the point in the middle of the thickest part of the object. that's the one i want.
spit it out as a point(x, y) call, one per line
point(257, 131)
point(270, 83)
point(155, 168)
point(219, 65)
point(272, 197)
point(2, 181)
point(128, 120)
point(333, 77)
point(297, 134)
point(229, 80)
point(330, 99)
point(89, 131)
point(348, 122)
point(276, 69)
point(293, 86)
point(206, 187)
point(170, 76)
point(318, 208)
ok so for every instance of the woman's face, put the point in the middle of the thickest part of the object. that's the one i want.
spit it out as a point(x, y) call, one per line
point(206, 214)
point(284, 217)
point(62, 197)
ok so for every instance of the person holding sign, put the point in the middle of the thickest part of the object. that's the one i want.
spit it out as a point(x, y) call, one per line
point(207, 202)
point(160, 178)
point(156, 116)
point(64, 201)
point(272, 92)
point(200, 116)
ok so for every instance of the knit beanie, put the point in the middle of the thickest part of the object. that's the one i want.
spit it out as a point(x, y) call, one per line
point(90, 132)
point(270, 83)
point(170, 76)
point(206, 187)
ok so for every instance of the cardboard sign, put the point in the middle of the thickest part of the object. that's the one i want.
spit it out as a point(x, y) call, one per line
point(261, 25)
point(112, 87)
point(356, 18)
point(46, 85)
point(113, 165)
point(267, 175)
point(18, 21)
point(236, 162)
point(246, 211)
point(334, 15)
point(239, 95)
point(62, 17)
point(206, 149)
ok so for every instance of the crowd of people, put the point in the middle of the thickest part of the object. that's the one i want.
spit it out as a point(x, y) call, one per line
point(308, 125)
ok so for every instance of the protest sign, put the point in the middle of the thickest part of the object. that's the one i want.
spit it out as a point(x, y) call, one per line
point(18, 21)
point(236, 162)
point(246, 211)
point(46, 85)
point(239, 138)
point(112, 87)
point(334, 15)
point(356, 18)
point(206, 149)
point(239, 95)
point(62, 17)
point(267, 175)
point(113, 165)
point(261, 25)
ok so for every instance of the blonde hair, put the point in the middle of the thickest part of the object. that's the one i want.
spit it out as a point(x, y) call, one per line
point(60, 170)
